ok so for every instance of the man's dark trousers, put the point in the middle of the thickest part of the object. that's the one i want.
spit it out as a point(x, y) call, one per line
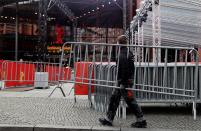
point(115, 99)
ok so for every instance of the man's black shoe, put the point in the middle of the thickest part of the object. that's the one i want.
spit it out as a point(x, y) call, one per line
point(103, 121)
point(142, 124)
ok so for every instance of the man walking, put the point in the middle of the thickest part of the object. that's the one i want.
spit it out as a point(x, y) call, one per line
point(125, 78)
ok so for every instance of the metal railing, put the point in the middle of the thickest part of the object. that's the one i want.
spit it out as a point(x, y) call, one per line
point(31, 74)
point(172, 79)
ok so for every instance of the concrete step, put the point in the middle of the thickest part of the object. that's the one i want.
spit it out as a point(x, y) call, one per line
point(5, 127)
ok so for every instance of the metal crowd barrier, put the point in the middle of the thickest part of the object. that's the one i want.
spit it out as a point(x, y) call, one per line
point(165, 79)
point(31, 74)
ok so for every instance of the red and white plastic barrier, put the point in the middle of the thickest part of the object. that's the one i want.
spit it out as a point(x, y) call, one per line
point(17, 74)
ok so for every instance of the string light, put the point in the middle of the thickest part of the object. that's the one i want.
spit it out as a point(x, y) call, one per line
point(36, 13)
point(6, 17)
point(97, 8)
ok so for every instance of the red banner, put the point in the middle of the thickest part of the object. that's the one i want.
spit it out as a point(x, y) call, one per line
point(67, 71)
point(10, 75)
point(53, 73)
point(21, 74)
point(18, 74)
point(82, 74)
point(1, 72)
point(26, 74)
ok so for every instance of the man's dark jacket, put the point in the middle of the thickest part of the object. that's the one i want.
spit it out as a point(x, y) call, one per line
point(125, 67)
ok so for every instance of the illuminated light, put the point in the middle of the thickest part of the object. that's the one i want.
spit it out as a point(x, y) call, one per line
point(93, 10)
point(1, 16)
point(89, 12)
point(13, 18)
point(142, 3)
point(6, 17)
point(77, 17)
point(103, 5)
point(35, 13)
point(84, 14)
point(43, 15)
point(97, 8)
point(115, 0)
point(57, 49)
point(109, 2)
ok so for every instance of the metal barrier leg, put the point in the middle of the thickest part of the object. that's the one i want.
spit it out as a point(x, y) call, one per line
point(52, 92)
point(123, 106)
point(62, 91)
point(70, 90)
point(91, 104)
point(55, 89)
point(75, 99)
point(194, 110)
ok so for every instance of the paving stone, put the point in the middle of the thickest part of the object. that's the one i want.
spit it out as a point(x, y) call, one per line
point(63, 112)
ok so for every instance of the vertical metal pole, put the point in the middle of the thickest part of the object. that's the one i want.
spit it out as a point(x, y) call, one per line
point(75, 30)
point(72, 32)
point(130, 16)
point(196, 84)
point(131, 9)
point(106, 32)
point(156, 29)
point(124, 14)
point(16, 32)
point(42, 28)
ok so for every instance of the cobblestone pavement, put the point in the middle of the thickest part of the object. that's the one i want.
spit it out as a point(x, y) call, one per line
point(17, 108)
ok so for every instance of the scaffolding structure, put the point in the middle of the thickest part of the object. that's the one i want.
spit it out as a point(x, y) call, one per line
point(167, 23)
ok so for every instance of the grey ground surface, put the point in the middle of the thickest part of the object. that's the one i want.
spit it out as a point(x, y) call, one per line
point(35, 108)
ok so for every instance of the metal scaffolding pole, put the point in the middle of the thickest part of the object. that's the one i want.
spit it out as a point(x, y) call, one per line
point(124, 14)
point(72, 33)
point(16, 32)
point(42, 29)
point(156, 29)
